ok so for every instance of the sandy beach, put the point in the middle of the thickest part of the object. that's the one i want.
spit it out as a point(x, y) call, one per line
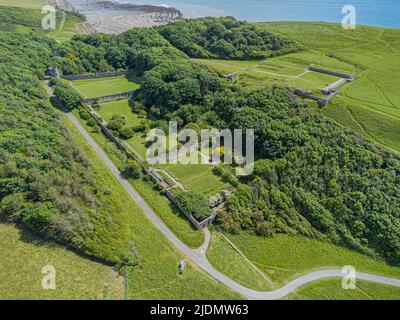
point(114, 17)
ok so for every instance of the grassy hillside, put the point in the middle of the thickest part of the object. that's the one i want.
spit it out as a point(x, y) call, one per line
point(23, 255)
point(283, 258)
point(331, 289)
point(375, 54)
point(25, 16)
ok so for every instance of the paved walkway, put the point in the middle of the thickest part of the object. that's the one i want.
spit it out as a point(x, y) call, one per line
point(199, 258)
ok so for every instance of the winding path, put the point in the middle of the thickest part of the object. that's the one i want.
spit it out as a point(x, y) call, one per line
point(198, 256)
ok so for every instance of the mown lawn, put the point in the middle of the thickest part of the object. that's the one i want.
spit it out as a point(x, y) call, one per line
point(94, 88)
point(24, 254)
point(120, 107)
point(331, 289)
point(125, 222)
point(197, 177)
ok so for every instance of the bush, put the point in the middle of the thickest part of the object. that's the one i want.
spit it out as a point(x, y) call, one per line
point(84, 114)
point(194, 204)
point(53, 81)
point(92, 123)
point(68, 96)
point(117, 122)
point(133, 169)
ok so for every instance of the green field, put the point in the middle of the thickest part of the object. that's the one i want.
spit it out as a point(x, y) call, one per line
point(331, 289)
point(373, 54)
point(23, 255)
point(283, 258)
point(94, 88)
point(228, 261)
point(158, 277)
point(376, 54)
point(120, 107)
point(28, 17)
point(290, 69)
point(197, 177)
point(30, 4)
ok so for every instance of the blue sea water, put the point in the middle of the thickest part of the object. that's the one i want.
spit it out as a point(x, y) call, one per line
point(384, 13)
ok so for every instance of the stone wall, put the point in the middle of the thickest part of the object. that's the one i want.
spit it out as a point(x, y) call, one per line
point(112, 97)
point(332, 73)
point(99, 75)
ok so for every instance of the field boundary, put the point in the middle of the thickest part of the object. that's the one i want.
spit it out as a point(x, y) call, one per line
point(73, 77)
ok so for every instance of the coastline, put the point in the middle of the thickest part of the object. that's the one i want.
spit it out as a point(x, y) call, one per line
point(112, 17)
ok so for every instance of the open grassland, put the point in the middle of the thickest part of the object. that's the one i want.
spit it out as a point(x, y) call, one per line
point(26, 17)
point(157, 277)
point(284, 258)
point(290, 70)
point(29, 4)
point(331, 289)
point(23, 255)
point(228, 261)
point(120, 107)
point(94, 88)
point(375, 53)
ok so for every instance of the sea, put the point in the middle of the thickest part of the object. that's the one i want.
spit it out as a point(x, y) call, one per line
point(381, 13)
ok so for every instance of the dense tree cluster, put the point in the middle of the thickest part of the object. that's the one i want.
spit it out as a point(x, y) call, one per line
point(45, 180)
point(224, 38)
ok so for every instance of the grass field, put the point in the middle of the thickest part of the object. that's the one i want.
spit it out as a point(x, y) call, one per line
point(23, 255)
point(376, 54)
point(158, 277)
point(29, 4)
point(94, 88)
point(29, 17)
point(284, 258)
point(197, 177)
point(290, 70)
point(373, 54)
point(119, 107)
point(331, 289)
point(228, 261)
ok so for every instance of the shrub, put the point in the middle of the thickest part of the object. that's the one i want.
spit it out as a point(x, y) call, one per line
point(68, 96)
point(92, 123)
point(194, 204)
point(133, 169)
